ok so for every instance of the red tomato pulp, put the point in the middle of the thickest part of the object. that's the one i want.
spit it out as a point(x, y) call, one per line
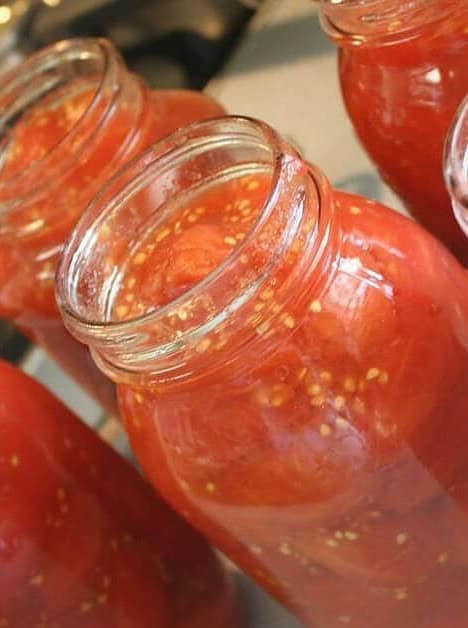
point(402, 99)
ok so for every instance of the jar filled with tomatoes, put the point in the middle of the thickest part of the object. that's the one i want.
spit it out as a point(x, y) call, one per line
point(456, 165)
point(404, 72)
point(291, 364)
point(74, 553)
point(70, 115)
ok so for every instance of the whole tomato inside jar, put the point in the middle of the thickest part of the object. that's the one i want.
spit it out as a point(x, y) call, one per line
point(74, 552)
point(291, 364)
point(404, 72)
point(70, 116)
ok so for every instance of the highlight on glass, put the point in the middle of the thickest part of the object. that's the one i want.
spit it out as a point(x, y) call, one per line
point(456, 165)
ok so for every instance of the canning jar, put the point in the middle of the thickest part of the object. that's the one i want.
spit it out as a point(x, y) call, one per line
point(456, 165)
point(74, 552)
point(404, 72)
point(292, 367)
point(70, 115)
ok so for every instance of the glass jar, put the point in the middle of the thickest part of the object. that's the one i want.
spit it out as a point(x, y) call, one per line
point(403, 74)
point(291, 364)
point(456, 165)
point(73, 551)
point(70, 115)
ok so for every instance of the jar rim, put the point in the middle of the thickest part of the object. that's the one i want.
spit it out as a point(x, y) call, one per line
point(381, 22)
point(38, 64)
point(133, 178)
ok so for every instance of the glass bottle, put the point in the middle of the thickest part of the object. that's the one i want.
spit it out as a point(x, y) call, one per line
point(291, 364)
point(403, 74)
point(70, 115)
point(456, 165)
point(74, 553)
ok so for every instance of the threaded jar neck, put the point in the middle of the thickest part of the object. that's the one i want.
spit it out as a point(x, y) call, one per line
point(379, 22)
point(161, 342)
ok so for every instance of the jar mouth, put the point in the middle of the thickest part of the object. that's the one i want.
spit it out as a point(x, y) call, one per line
point(84, 294)
point(48, 75)
point(130, 181)
point(456, 165)
point(381, 22)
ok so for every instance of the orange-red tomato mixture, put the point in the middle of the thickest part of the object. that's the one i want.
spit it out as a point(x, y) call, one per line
point(329, 461)
point(402, 99)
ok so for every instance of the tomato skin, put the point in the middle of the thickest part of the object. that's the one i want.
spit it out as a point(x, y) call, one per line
point(75, 548)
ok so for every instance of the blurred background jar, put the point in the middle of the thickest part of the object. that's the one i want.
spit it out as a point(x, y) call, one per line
point(456, 165)
point(74, 551)
point(403, 74)
point(70, 115)
point(333, 469)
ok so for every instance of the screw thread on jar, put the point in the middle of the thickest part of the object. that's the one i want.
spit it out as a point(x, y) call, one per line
point(358, 22)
